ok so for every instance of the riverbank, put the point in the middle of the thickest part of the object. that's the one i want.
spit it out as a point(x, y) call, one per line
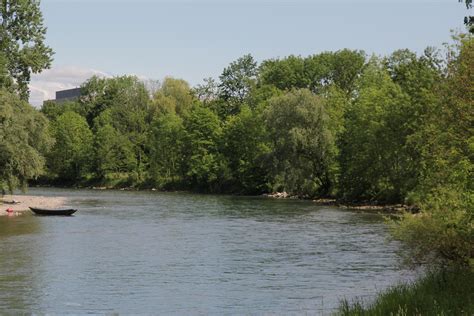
point(21, 203)
point(364, 206)
point(359, 206)
point(444, 292)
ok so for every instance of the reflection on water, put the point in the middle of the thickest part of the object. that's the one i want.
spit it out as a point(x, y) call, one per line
point(146, 252)
point(16, 262)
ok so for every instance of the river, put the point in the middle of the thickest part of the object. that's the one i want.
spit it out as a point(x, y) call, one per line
point(180, 253)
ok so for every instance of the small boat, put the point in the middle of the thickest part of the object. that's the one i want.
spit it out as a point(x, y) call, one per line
point(44, 211)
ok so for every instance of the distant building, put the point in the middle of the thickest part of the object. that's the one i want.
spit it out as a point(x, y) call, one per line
point(68, 95)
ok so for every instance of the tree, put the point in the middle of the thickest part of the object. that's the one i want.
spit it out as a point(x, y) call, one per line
point(22, 41)
point(205, 167)
point(443, 232)
point(315, 72)
point(53, 109)
point(113, 150)
point(302, 143)
point(70, 157)
point(237, 80)
point(127, 102)
point(246, 149)
point(374, 164)
point(207, 91)
point(6, 81)
point(24, 139)
point(166, 150)
point(174, 96)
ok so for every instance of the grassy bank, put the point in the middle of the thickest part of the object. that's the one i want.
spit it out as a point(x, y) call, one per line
point(437, 293)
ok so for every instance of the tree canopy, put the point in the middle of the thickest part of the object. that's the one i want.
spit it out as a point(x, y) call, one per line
point(22, 42)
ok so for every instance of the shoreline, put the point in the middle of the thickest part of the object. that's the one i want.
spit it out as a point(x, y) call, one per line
point(368, 206)
point(23, 202)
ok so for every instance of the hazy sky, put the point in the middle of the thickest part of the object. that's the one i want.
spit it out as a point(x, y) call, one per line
point(197, 39)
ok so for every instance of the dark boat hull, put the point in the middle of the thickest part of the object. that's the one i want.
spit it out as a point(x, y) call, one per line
point(43, 211)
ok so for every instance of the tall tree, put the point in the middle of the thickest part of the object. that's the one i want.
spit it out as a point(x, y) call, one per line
point(173, 96)
point(237, 80)
point(302, 143)
point(22, 37)
point(206, 168)
point(166, 150)
point(374, 164)
point(24, 139)
point(314, 72)
point(70, 158)
point(114, 151)
point(246, 149)
point(443, 232)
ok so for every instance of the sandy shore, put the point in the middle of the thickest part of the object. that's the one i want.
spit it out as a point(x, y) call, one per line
point(29, 200)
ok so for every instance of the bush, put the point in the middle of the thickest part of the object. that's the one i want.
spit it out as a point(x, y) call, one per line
point(442, 292)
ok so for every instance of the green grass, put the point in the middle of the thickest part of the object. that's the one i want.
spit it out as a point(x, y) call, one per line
point(437, 293)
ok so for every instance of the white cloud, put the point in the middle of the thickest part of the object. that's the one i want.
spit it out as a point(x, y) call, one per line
point(44, 86)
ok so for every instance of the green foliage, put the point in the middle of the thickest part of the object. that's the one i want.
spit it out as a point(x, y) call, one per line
point(167, 150)
point(302, 143)
point(443, 233)
point(373, 164)
point(246, 149)
point(24, 139)
point(114, 151)
point(206, 168)
point(22, 41)
point(6, 81)
point(315, 72)
point(174, 96)
point(99, 94)
point(52, 109)
point(70, 157)
point(120, 108)
point(444, 292)
point(237, 81)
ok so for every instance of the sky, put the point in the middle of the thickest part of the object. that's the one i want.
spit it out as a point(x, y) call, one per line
point(192, 40)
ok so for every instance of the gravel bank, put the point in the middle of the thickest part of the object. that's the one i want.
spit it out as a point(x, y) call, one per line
point(29, 200)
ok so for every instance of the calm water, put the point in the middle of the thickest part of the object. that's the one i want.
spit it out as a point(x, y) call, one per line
point(170, 253)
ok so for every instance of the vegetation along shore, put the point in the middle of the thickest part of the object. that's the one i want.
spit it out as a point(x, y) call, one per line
point(395, 129)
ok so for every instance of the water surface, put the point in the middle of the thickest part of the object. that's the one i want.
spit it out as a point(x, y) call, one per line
point(176, 253)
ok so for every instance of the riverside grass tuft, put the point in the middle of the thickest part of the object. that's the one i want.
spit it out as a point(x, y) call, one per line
point(443, 292)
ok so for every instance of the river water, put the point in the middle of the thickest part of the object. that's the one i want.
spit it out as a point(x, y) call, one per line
point(177, 253)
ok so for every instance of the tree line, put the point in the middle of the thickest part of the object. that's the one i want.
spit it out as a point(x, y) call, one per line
point(393, 129)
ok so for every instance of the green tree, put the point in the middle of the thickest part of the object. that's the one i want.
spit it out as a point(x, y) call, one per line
point(443, 232)
point(205, 167)
point(236, 83)
point(302, 143)
point(246, 149)
point(174, 96)
point(113, 150)
point(24, 139)
point(315, 72)
point(286, 74)
point(130, 113)
point(70, 157)
point(22, 41)
point(6, 81)
point(374, 165)
point(53, 109)
point(166, 150)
